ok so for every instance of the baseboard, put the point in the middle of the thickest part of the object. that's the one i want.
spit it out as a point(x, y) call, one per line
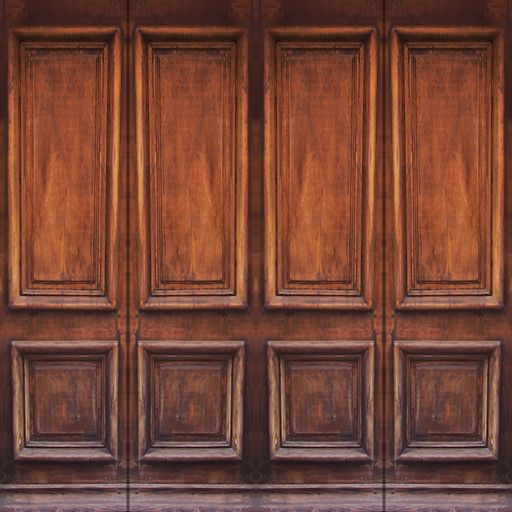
point(255, 498)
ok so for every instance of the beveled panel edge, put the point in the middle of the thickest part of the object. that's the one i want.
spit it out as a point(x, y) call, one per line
point(490, 348)
point(399, 36)
point(233, 348)
point(112, 36)
point(363, 299)
point(144, 35)
point(107, 348)
point(363, 348)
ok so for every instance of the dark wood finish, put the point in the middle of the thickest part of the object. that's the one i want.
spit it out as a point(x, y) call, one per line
point(447, 400)
point(321, 403)
point(447, 90)
point(190, 400)
point(65, 400)
point(191, 89)
point(64, 100)
point(320, 128)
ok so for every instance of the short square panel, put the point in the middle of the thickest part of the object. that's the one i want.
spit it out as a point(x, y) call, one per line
point(190, 400)
point(446, 400)
point(321, 400)
point(65, 400)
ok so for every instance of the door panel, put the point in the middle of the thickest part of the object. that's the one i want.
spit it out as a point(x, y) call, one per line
point(64, 99)
point(448, 164)
point(65, 400)
point(321, 93)
point(189, 242)
point(193, 204)
point(447, 400)
point(321, 402)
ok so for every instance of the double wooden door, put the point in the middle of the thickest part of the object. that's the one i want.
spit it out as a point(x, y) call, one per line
point(252, 249)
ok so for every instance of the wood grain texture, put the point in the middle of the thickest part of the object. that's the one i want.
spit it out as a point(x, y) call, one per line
point(65, 400)
point(190, 400)
point(64, 108)
point(320, 101)
point(447, 400)
point(191, 87)
point(447, 89)
point(321, 400)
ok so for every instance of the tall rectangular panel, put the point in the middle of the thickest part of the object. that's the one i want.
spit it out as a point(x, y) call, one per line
point(448, 161)
point(192, 159)
point(63, 165)
point(319, 152)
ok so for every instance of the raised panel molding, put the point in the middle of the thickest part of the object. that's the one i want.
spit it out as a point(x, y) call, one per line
point(63, 165)
point(321, 404)
point(320, 108)
point(446, 400)
point(190, 400)
point(448, 116)
point(191, 92)
point(65, 400)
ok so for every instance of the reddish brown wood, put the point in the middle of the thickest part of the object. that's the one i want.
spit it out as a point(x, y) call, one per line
point(447, 400)
point(191, 89)
point(65, 400)
point(364, 144)
point(447, 90)
point(64, 100)
point(319, 236)
point(321, 404)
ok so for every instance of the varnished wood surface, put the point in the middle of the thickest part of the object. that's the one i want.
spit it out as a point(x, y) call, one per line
point(447, 114)
point(63, 153)
point(319, 190)
point(292, 145)
point(193, 202)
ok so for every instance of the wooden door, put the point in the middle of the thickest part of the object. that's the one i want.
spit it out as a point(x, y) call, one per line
point(447, 302)
point(255, 255)
point(255, 312)
point(62, 315)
